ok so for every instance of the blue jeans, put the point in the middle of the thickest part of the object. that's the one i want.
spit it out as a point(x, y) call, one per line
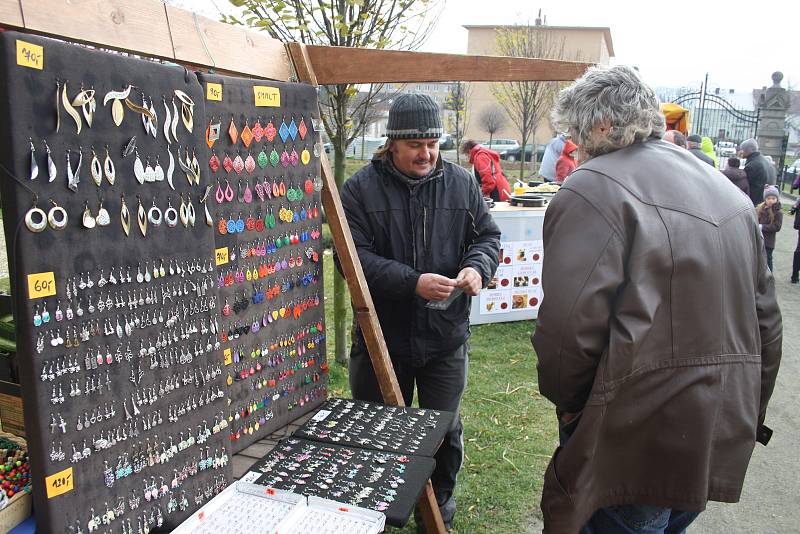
point(631, 518)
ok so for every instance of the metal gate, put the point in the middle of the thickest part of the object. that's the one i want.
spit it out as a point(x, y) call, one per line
point(716, 118)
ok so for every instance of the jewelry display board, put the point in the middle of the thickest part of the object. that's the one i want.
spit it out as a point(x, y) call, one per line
point(401, 429)
point(126, 357)
point(382, 481)
point(265, 171)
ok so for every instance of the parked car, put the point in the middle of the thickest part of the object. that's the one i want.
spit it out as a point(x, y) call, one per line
point(726, 149)
point(501, 145)
point(515, 154)
point(447, 142)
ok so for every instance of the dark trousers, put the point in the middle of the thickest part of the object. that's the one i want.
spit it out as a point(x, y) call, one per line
point(440, 386)
point(796, 261)
point(769, 258)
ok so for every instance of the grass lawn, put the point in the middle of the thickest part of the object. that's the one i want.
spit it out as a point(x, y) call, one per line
point(510, 430)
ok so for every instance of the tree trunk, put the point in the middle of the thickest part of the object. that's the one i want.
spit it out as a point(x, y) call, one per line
point(339, 284)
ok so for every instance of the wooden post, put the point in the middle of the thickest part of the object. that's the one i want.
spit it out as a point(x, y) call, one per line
point(359, 291)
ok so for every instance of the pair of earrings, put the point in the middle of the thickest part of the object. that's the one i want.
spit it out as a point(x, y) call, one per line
point(147, 173)
point(36, 220)
point(84, 100)
point(102, 218)
point(51, 165)
point(41, 318)
point(107, 169)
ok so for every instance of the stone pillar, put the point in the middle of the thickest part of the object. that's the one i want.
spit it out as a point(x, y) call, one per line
point(773, 105)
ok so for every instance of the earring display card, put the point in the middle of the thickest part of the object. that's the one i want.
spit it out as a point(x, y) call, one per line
point(114, 283)
point(265, 172)
point(404, 430)
point(381, 481)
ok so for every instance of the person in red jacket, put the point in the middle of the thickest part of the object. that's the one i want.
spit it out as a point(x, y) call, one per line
point(486, 164)
point(567, 162)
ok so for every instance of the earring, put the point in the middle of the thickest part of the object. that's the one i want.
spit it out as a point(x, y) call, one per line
point(170, 215)
point(233, 132)
point(187, 109)
point(125, 217)
point(103, 218)
point(167, 120)
point(57, 216)
point(158, 172)
point(184, 214)
point(154, 214)
point(58, 105)
point(97, 171)
point(246, 135)
point(138, 169)
point(170, 170)
point(35, 219)
point(74, 178)
point(108, 168)
point(51, 165)
point(34, 165)
point(173, 128)
point(69, 109)
point(85, 100)
point(141, 218)
point(88, 221)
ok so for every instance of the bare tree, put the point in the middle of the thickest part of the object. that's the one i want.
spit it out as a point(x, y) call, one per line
point(399, 24)
point(456, 102)
point(492, 119)
point(527, 103)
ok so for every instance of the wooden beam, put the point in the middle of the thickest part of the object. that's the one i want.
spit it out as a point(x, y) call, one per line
point(333, 65)
point(359, 290)
point(151, 28)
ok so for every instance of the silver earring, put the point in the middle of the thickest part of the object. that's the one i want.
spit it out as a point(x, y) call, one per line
point(35, 219)
point(57, 216)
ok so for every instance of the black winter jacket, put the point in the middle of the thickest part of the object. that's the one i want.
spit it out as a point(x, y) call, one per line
point(757, 169)
point(404, 227)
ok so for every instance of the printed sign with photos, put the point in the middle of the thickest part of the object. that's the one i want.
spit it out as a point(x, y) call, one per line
point(517, 284)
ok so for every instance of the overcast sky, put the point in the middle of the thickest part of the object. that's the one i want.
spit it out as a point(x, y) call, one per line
point(739, 44)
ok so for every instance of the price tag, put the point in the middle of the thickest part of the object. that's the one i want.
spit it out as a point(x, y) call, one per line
point(214, 91)
point(41, 285)
point(228, 356)
point(221, 255)
point(59, 483)
point(30, 55)
point(267, 96)
point(321, 415)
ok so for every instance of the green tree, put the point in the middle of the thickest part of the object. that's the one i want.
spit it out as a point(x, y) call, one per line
point(527, 103)
point(396, 24)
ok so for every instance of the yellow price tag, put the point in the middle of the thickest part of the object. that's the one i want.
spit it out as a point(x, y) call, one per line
point(267, 96)
point(221, 255)
point(228, 357)
point(214, 91)
point(41, 285)
point(30, 55)
point(59, 483)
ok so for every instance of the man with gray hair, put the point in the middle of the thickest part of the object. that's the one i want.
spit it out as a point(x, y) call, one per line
point(659, 337)
point(756, 168)
point(693, 145)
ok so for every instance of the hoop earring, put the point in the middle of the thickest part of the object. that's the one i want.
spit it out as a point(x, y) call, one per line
point(170, 215)
point(32, 225)
point(57, 216)
point(154, 215)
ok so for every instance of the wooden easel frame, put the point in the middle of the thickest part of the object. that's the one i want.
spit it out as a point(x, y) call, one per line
point(151, 28)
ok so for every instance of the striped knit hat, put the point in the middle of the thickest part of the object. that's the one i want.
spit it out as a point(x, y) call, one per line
point(414, 116)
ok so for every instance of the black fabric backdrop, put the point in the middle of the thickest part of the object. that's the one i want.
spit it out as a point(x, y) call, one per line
point(296, 397)
point(27, 110)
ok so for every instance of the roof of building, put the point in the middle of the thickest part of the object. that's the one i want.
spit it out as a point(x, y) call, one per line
point(605, 29)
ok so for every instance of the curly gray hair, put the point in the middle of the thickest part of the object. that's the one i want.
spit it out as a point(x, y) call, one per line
point(612, 95)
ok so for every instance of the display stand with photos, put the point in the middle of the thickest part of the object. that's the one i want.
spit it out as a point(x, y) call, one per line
point(115, 248)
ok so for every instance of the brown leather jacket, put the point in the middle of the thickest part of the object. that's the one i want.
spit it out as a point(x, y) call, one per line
point(660, 326)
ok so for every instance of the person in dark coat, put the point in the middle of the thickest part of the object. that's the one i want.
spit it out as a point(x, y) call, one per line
point(693, 144)
point(757, 169)
point(796, 260)
point(423, 234)
point(736, 175)
point(660, 368)
point(770, 218)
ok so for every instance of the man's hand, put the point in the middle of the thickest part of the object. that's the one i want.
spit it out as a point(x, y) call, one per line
point(432, 286)
point(470, 281)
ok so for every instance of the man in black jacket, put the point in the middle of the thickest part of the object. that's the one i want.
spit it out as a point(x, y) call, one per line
point(424, 235)
point(756, 168)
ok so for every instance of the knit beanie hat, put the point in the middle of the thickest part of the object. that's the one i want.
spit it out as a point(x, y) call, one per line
point(771, 191)
point(414, 116)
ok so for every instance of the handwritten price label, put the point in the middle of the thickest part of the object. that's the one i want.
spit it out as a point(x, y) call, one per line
point(30, 55)
point(59, 483)
point(214, 91)
point(267, 96)
point(228, 357)
point(41, 285)
point(221, 256)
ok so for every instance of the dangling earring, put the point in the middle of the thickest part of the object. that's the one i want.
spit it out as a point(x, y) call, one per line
point(170, 215)
point(170, 170)
point(69, 109)
point(51, 165)
point(57, 216)
point(35, 226)
point(167, 120)
point(103, 218)
point(233, 132)
point(96, 170)
point(138, 169)
point(74, 178)
point(108, 168)
point(187, 109)
point(88, 221)
point(85, 100)
point(117, 111)
point(58, 105)
point(141, 218)
point(125, 217)
point(34, 165)
point(154, 214)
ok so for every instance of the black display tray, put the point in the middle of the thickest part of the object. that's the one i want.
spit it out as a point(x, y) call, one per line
point(342, 474)
point(369, 425)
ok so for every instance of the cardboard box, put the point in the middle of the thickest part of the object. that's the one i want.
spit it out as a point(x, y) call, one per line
point(18, 508)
